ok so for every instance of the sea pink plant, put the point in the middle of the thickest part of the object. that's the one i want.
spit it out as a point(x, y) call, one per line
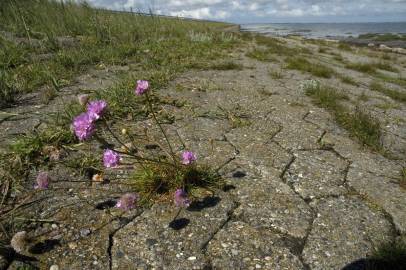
point(142, 87)
point(42, 180)
point(111, 158)
point(96, 109)
point(181, 199)
point(127, 201)
point(83, 126)
point(188, 157)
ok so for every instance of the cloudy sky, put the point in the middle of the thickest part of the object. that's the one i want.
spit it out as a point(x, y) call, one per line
point(254, 11)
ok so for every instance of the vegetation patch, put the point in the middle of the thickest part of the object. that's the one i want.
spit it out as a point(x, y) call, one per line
point(393, 94)
point(389, 256)
point(67, 38)
point(360, 124)
point(263, 55)
point(316, 69)
point(371, 68)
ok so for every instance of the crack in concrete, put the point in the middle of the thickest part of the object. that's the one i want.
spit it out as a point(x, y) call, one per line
point(230, 213)
point(111, 238)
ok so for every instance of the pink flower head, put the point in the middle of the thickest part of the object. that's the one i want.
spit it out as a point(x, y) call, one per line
point(42, 180)
point(83, 126)
point(96, 108)
point(111, 159)
point(188, 157)
point(181, 199)
point(127, 201)
point(142, 87)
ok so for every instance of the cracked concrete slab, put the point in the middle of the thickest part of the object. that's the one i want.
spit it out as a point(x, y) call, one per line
point(156, 240)
point(317, 173)
point(345, 230)
point(239, 246)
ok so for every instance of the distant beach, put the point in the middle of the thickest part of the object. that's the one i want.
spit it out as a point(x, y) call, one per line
point(326, 30)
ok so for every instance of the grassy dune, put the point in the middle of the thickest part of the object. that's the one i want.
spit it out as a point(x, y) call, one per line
point(47, 43)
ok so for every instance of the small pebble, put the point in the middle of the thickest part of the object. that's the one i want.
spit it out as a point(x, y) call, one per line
point(54, 226)
point(84, 232)
point(54, 267)
point(192, 258)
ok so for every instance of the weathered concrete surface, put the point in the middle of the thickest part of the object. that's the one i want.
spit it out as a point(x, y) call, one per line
point(345, 230)
point(239, 246)
point(301, 192)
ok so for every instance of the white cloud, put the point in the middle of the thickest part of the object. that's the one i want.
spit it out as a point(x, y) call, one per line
point(224, 9)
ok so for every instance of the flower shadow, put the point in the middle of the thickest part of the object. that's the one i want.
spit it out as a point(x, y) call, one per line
point(178, 224)
point(207, 202)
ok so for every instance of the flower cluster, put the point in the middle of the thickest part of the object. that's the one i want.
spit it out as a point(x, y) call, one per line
point(142, 87)
point(181, 199)
point(111, 159)
point(42, 181)
point(84, 124)
point(188, 158)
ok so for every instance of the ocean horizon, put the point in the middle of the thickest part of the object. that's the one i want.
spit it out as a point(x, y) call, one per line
point(325, 30)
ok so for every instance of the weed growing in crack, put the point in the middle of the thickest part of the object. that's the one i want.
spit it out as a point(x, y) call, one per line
point(359, 123)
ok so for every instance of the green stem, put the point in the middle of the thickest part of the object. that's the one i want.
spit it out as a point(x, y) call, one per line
point(161, 128)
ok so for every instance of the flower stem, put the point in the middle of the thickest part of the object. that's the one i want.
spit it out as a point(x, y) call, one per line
point(161, 128)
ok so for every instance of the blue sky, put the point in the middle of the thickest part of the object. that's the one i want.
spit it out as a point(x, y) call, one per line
point(258, 11)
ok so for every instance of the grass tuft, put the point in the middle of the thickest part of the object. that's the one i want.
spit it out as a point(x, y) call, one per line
point(390, 256)
point(360, 124)
point(160, 179)
point(316, 69)
point(393, 94)
point(371, 68)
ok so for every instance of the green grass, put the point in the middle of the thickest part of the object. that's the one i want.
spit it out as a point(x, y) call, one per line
point(389, 256)
point(156, 180)
point(262, 55)
point(383, 37)
point(274, 47)
point(344, 47)
point(371, 68)
point(348, 80)
point(360, 124)
point(94, 37)
point(225, 65)
point(316, 69)
point(395, 80)
point(393, 94)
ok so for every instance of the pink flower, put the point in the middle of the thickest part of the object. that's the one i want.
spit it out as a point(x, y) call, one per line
point(188, 157)
point(42, 180)
point(127, 201)
point(142, 87)
point(181, 199)
point(111, 159)
point(96, 109)
point(83, 126)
